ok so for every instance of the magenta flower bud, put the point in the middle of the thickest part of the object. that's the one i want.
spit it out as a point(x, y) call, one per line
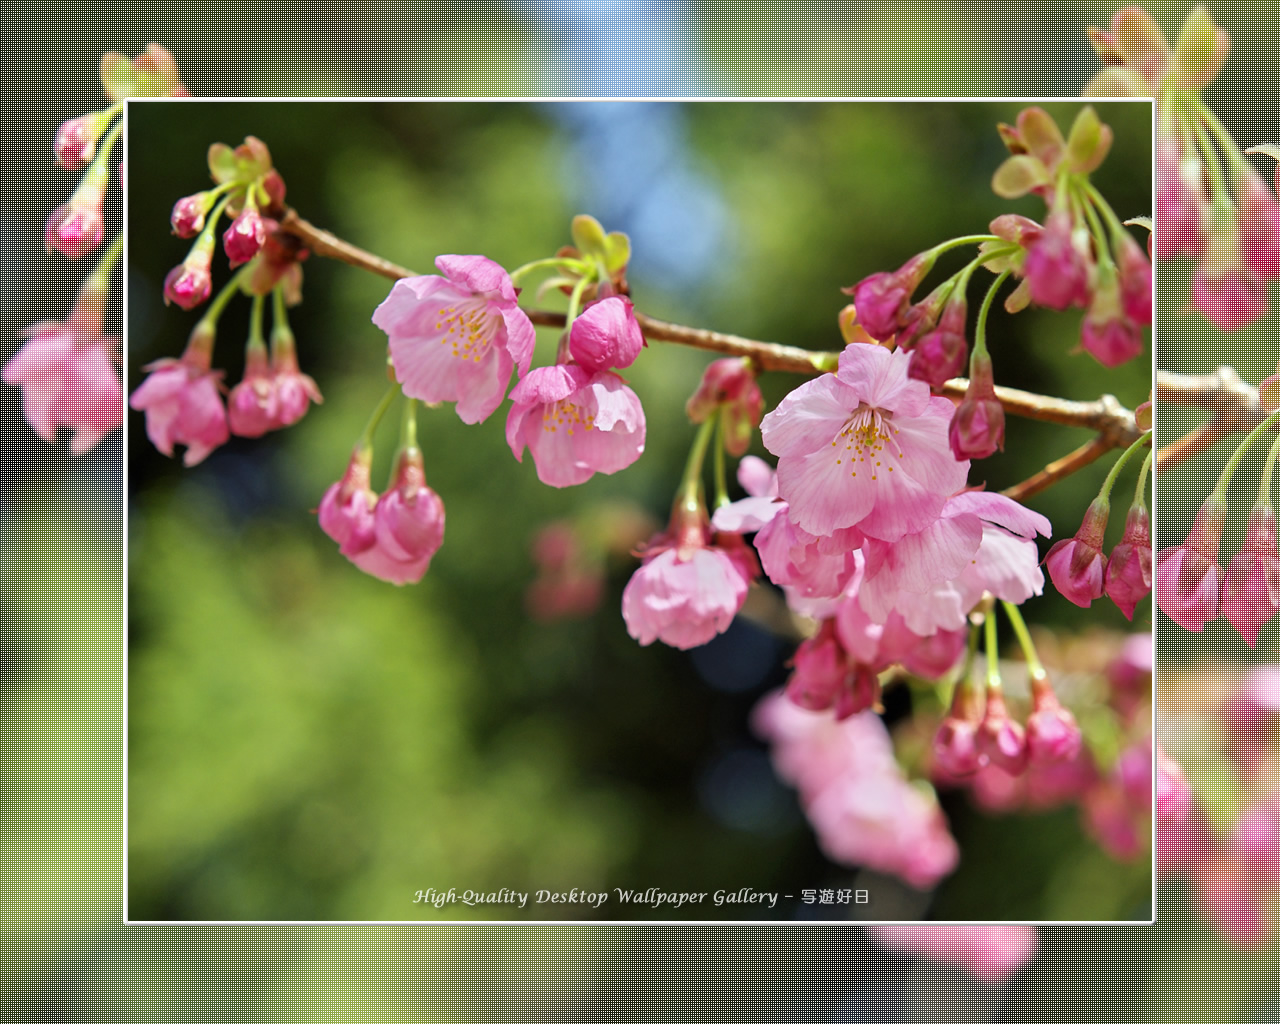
point(1127, 579)
point(1188, 578)
point(606, 336)
point(1133, 775)
point(819, 670)
point(1251, 585)
point(729, 385)
point(75, 228)
point(860, 692)
point(77, 138)
point(1135, 281)
point(1229, 295)
point(977, 428)
point(1180, 201)
point(346, 510)
point(941, 353)
point(244, 237)
point(955, 748)
point(1057, 272)
point(1174, 799)
point(409, 521)
point(252, 404)
point(295, 391)
point(188, 214)
point(1052, 733)
point(190, 282)
point(881, 299)
point(1076, 565)
point(1000, 739)
point(1259, 221)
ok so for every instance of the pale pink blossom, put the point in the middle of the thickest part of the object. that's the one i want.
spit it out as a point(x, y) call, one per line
point(688, 589)
point(252, 406)
point(992, 953)
point(457, 338)
point(346, 510)
point(575, 422)
point(75, 228)
point(408, 526)
point(182, 401)
point(1229, 294)
point(865, 447)
point(863, 810)
point(295, 390)
point(67, 372)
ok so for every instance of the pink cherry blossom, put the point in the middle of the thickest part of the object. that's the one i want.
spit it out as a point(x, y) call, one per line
point(1077, 565)
point(408, 526)
point(1127, 578)
point(1108, 333)
point(941, 353)
point(1001, 740)
point(244, 237)
point(605, 336)
point(252, 405)
point(576, 423)
point(1230, 295)
point(977, 428)
point(1251, 584)
point(295, 391)
point(729, 387)
point(1181, 206)
point(67, 372)
point(992, 953)
point(1188, 577)
point(1135, 282)
point(865, 447)
point(1056, 271)
point(1259, 217)
point(346, 510)
point(182, 402)
point(688, 590)
point(862, 809)
point(1052, 733)
point(457, 338)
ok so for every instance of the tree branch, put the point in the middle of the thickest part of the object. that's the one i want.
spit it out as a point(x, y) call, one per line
point(1234, 404)
point(1113, 423)
point(1088, 452)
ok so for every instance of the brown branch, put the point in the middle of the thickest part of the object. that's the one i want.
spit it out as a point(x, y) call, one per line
point(1114, 423)
point(1234, 404)
point(1088, 452)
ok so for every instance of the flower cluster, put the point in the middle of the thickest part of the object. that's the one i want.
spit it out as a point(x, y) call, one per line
point(1211, 205)
point(1232, 858)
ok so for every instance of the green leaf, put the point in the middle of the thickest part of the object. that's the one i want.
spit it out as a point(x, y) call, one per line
point(1019, 175)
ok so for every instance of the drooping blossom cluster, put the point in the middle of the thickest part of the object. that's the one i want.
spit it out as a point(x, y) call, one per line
point(992, 953)
point(863, 809)
point(1232, 857)
point(67, 370)
point(1211, 204)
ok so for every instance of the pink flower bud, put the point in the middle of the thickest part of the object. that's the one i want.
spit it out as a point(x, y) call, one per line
point(955, 749)
point(1229, 295)
point(295, 391)
point(1056, 271)
point(881, 299)
point(76, 140)
point(977, 428)
point(1181, 206)
point(1076, 565)
point(1127, 579)
point(244, 237)
point(730, 386)
point(1107, 333)
point(819, 670)
point(941, 353)
point(606, 336)
point(188, 214)
point(251, 406)
point(1188, 578)
point(1001, 740)
point(1251, 585)
point(861, 691)
point(346, 510)
point(1259, 226)
point(1135, 281)
point(190, 282)
point(75, 228)
point(1052, 733)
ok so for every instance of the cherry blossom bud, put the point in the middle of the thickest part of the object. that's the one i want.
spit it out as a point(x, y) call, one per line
point(1181, 206)
point(940, 354)
point(252, 404)
point(1251, 585)
point(882, 298)
point(1076, 565)
point(1108, 334)
point(190, 282)
point(244, 237)
point(1057, 272)
point(1135, 281)
point(1052, 733)
point(1188, 578)
point(1259, 218)
point(1127, 579)
point(977, 428)
point(75, 228)
point(955, 746)
point(1001, 740)
point(77, 138)
point(189, 213)
point(346, 510)
point(729, 385)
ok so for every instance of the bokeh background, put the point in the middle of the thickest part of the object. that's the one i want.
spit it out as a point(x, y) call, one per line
point(62, 745)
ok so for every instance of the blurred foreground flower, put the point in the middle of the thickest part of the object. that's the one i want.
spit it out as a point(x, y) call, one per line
point(991, 953)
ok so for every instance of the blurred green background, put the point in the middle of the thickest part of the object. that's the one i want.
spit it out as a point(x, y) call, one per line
point(66, 955)
point(308, 743)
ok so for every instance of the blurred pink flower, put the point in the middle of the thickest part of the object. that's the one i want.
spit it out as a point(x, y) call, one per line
point(182, 402)
point(992, 953)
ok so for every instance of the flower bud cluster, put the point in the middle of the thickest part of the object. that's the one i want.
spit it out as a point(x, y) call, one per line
point(1211, 204)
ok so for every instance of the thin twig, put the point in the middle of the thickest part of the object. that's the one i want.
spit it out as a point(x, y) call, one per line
point(1234, 404)
point(1112, 421)
point(1088, 452)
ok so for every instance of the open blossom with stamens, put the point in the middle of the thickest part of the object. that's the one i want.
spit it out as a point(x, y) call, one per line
point(457, 338)
point(576, 422)
point(865, 447)
point(67, 372)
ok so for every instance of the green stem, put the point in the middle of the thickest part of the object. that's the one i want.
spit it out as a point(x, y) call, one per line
point(409, 424)
point(1140, 492)
point(955, 243)
point(1109, 482)
point(205, 238)
point(691, 483)
point(575, 301)
point(219, 303)
point(980, 332)
point(1228, 145)
point(365, 442)
point(1233, 463)
point(721, 475)
point(105, 145)
point(1034, 668)
point(993, 650)
point(567, 262)
point(256, 336)
point(279, 316)
point(107, 262)
point(1264, 485)
point(1217, 179)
